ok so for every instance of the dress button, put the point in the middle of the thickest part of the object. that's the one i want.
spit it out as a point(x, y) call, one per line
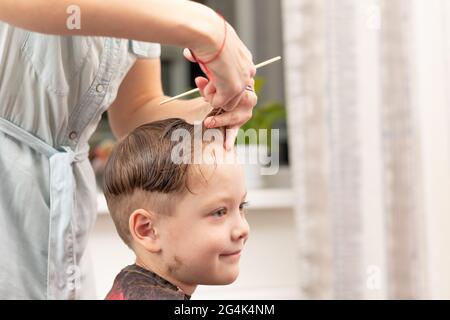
point(100, 88)
point(73, 135)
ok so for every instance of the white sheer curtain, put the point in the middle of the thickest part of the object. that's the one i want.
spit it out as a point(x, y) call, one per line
point(369, 126)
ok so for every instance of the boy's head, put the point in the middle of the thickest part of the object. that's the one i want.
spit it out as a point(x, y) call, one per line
point(177, 199)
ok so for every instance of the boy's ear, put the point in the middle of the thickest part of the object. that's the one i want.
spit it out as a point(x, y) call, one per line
point(143, 230)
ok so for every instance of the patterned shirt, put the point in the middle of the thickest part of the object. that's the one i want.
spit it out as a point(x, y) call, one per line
point(137, 283)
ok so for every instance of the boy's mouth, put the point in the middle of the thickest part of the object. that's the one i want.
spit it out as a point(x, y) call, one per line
point(236, 253)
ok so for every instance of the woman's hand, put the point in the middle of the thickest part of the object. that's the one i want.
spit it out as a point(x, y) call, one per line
point(231, 120)
point(231, 70)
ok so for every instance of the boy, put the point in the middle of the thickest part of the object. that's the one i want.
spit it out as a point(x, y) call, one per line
point(179, 207)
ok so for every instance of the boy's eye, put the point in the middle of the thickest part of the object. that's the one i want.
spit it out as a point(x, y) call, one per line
point(219, 213)
point(243, 205)
point(223, 211)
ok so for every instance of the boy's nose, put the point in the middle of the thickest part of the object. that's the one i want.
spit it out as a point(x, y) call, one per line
point(241, 229)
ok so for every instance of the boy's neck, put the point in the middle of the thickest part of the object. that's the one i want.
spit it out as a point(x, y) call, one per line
point(144, 263)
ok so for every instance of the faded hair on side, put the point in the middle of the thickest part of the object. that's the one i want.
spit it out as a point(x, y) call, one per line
point(141, 174)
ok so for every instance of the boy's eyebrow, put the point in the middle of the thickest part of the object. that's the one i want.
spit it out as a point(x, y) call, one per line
point(224, 197)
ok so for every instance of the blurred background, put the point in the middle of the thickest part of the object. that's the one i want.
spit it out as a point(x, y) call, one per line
point(360, 207)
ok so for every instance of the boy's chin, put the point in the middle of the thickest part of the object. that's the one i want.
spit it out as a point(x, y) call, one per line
point(223, 280)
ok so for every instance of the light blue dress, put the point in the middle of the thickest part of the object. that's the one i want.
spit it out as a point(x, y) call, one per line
point(53, 90)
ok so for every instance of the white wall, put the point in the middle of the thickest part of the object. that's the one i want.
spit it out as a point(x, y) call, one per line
point(432, 60)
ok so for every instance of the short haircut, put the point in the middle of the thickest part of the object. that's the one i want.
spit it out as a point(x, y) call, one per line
point(141, 174)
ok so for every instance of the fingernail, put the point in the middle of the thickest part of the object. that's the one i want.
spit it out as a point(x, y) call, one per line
point(211, 123)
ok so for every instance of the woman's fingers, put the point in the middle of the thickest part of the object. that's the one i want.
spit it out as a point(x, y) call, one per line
point(228, 119)
point(238, 116)
point(230, 72)
point(210, 91)
point(229, 69)
point(234, 119)
point(188, 55)
point(201, 83)
point(234, 101)
point(230, 137)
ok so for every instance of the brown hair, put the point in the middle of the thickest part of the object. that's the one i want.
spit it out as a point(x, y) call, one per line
point(141, 173)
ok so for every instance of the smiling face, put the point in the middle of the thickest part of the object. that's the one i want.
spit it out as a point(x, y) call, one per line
point(177, 200)
point(203, 239)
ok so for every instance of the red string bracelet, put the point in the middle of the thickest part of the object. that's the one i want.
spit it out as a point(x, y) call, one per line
point(217, 55)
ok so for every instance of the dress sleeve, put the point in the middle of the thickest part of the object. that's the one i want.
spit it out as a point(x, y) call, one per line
point(145, 50)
